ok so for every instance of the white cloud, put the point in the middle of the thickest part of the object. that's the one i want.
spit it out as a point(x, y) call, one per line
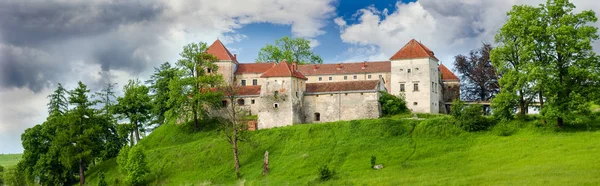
point(448, 27)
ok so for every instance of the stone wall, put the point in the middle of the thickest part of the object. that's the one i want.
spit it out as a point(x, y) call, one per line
point(341, 106)
point(283, 109)
point(350, 77)
point(226, 68)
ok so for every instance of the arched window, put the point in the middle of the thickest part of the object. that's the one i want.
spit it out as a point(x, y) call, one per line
point(241, 102)
point(317, 116)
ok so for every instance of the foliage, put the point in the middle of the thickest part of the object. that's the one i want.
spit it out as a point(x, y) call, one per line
point(122, 159)
point(470, 118)
point(545, 53)
point(391, 104)
point(373, 161)
point(1, 175)
point(136, 167)
point(14, 176)
point(325, 173)
point(480, 82)
point(289, 49)
point(135, 105)
point(102, 181)
point(58, 101)
point(159, 86)
point(190, 94)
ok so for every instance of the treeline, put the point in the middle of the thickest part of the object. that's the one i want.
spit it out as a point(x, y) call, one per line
point(543, 58)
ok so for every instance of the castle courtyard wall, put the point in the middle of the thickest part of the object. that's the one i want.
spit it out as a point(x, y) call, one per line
point(341, 106)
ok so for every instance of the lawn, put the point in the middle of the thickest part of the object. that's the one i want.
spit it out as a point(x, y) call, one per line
point(413, 152)
point(9, 159)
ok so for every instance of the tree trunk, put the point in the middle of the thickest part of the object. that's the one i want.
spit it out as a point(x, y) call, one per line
point(81, 174)
point(137, 132)
point(235, 153)
point(522, 106)
point(195, 119)
point(559, 122)
point(131, 141)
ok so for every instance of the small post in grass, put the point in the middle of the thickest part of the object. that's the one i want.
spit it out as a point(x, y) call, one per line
point(266, 163)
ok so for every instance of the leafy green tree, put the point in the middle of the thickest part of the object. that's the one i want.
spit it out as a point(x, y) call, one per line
point(190, 91)
point(159, 86)
point(289, 49)
point(549, 54)
point(392, 105)
point(137, 167)
point(135, 105)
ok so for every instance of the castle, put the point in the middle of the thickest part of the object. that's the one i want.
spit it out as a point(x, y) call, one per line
point(284, 94)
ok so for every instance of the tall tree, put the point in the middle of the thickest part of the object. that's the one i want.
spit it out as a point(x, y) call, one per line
point(113, 142)
point(553, 46)
point(233, 125)
point(83, 133)
point(135, 105)
point(190, 91)
point(513, 60)
point(478, 73)
point(159, 86)
point(289, 49)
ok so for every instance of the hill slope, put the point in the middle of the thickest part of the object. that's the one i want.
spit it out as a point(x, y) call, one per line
point(435, 152)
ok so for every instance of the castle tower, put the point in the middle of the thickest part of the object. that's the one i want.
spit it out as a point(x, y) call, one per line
point(281, 95)
point(415, 74)
point(227, 63)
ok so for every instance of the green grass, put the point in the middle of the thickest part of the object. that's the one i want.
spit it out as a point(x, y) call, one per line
point(413, 152)
point(7, 160)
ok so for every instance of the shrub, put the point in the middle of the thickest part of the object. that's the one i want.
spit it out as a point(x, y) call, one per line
point(136, 166)
point(505, 129)
point(14, 176)
point(470, 118)
point(325, 173)
point(392, 105)
point(122, 159)
point(102, 181)
point(373, 160)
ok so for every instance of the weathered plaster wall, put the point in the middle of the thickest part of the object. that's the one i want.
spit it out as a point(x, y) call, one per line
point(289, 102)
point(341, 106)
point(226, 68)
point(422, 72)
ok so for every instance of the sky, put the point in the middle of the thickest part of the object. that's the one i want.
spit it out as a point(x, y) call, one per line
point(43, 43)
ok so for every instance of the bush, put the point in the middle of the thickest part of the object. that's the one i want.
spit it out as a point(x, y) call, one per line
point(470, 118)
point(14, 176)
point(373, 160)
point(325, 173)
point(392, 105)
point(102, 181)
point(132, 162)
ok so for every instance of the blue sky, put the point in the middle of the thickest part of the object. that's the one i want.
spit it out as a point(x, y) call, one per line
point(331, 45)
point(43, 43)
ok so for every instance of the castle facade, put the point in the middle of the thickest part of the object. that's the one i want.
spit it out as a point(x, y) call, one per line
point(284, 94)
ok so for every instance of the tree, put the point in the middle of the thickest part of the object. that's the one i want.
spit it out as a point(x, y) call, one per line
point(132, 162)
point(392, 105)
point(58, 101)
point(478, 73)
point(549, 54)
point(135, 105)
point(159, 86)
point(190, 91)
point(514, 60)
point(289, 49)
point(82, 136)
point(113, 142)
point(233, 125)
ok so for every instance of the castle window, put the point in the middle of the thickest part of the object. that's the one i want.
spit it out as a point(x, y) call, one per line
point(416, 87)
point(251, 101)
point(369, 76)
point(361, 93)
point(345, 94)
point(241, 102)
point(345, 77)
point(415, 103)
point(330, 94)
point(276, 105)
point(330, 78)
point(416, 68)
point(355, 77)
point(408, 70)
point(317, 116)
point(208, 70)
point(296, 94)
point(401, 70)
point(432, 87)
point(402, 87)
point(224, 103)
point(320, 78)
point(254, 82)
point(243, 82)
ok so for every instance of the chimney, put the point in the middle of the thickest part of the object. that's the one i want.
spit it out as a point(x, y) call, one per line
point(364, 65)
point(294, 66)
point(339, 66)
point(314, 67)
point(235, 57)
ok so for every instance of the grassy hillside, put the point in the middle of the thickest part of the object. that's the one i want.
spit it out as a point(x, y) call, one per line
point(422, 152)
point(7, 160)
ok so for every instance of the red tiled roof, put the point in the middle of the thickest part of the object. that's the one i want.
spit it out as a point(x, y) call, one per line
point(413, 49)
point(342, 86)
point(447, 75)
point(283, 69)
point(259, 68)
point(249, 90)
point(346, 68)
point(220, 51)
